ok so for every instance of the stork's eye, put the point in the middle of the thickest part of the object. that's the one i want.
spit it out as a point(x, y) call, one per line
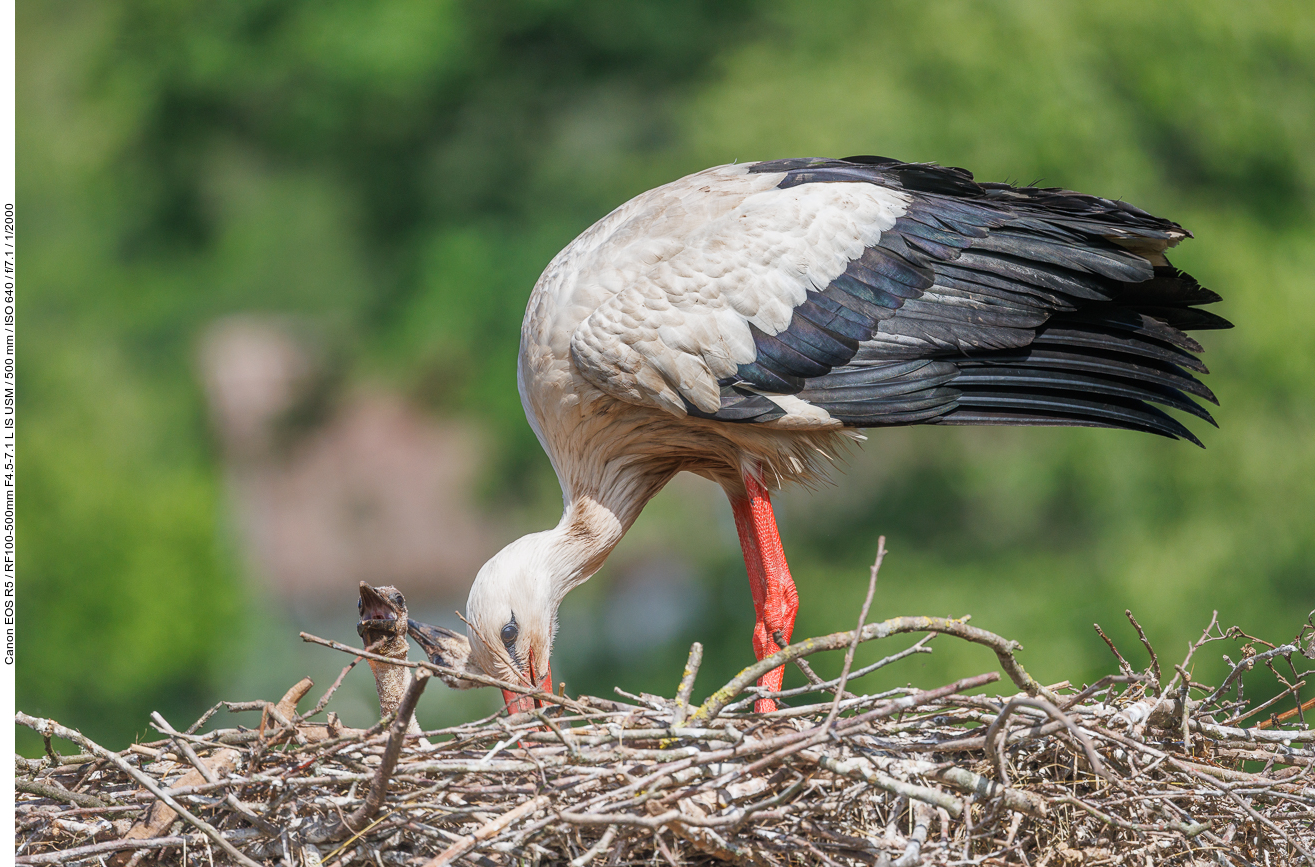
point(398, 599)
point(509, 633)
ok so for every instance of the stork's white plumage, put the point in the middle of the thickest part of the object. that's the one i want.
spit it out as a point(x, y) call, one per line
point(737, 322)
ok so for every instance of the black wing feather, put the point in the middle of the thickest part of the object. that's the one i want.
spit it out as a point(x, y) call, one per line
point(988, 304)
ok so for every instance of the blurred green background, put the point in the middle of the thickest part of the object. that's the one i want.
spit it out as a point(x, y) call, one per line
point(394, 175)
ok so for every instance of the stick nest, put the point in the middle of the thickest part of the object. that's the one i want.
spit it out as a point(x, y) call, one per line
point(1137, 768)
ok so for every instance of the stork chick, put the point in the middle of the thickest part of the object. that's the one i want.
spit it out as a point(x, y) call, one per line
point(383, 627)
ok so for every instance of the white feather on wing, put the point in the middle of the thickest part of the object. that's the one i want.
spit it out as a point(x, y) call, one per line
point(678, 318)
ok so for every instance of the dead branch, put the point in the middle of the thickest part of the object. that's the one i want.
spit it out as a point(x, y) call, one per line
point(858, 630)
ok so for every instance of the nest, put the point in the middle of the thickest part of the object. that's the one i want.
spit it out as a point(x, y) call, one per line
point(1132, 769)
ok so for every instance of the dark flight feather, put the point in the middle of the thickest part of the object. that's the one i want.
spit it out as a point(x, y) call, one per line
point(988, 304)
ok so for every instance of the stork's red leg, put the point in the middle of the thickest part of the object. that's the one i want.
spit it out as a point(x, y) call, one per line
point(775, 599)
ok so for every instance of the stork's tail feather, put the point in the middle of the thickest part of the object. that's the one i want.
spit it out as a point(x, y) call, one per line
point(1060, 409)
point(1100, 366)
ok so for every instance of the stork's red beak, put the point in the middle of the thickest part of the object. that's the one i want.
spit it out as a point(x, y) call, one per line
point(518, 703)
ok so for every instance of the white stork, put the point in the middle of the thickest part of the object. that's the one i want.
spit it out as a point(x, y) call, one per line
point(740, 322)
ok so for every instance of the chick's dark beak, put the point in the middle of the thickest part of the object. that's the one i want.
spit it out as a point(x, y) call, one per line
point(381, 616)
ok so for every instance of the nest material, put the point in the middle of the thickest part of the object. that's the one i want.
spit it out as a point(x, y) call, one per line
point(1125, 771)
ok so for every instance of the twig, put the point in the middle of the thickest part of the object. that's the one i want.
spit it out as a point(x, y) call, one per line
point(58, 793)
point(858, 630)
point(489, 829)
point(778, 637)
point(565, 739)
point(204, 718)
point(920, 698)
point(975, 784)
point(687, 683)
point(1247, 808)
point(960, 745)
point(328, 693)
point(918, 647)
point(1246, 665)
point(1155, 660)
point(1124, 665)
point(1288, 714)
point(1105, 681)
point(1205, 638)
point(1192, 830)
point(287, 705)
point(858, 769)
point(1185, 701)
point(922, 820)
point(1257, 734)
point(590, 853)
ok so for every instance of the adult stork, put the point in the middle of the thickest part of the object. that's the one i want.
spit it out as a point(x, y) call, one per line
point(740, 322)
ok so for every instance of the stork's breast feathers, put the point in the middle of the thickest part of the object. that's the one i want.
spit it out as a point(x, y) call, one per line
point(693, 310)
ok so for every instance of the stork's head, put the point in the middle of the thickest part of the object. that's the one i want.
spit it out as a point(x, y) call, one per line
point(512, 612)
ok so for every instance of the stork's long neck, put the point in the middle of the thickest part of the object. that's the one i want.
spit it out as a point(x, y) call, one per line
point(594, 521)
point(600, 450)
point(581, 541)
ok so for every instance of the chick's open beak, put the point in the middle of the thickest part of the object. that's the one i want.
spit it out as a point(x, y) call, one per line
point(519, 703)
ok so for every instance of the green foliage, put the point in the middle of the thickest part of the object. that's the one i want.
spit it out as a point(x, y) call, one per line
point(125, 595)
point(397, 173)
